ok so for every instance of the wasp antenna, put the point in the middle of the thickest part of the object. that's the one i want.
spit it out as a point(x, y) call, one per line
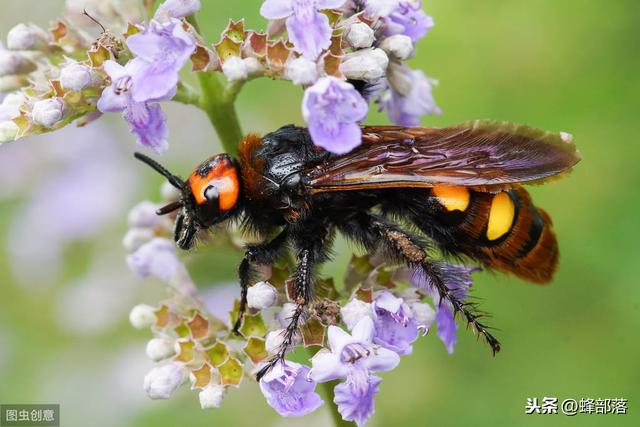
point(173, 180)
point(170, 208)
point(94, 20)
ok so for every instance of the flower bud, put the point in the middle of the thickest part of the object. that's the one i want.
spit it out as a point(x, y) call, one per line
point(48, 112)
point(301, 71)
point(234, 68)
point(399, 46)
point(366, 64)
point(15, 63)
point(354, 311)
point(75, 76)
point(160, 349)
point(169, 193)
point(261, 295)
point(212, 396)
point(8, 131)
point(26, 37)
point(144, 215)
point(275, 339)
point(155, 258)
point(423, 313)
point(360, 36)
point(136, 237)
point(142, 316)
point(162, 381)
point(177, 9)
point(285, 314)
point(254, 67)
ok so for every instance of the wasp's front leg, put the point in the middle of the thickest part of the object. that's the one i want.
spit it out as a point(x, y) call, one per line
point(262, 254)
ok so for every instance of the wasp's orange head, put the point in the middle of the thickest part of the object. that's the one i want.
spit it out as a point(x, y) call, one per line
point(215, 188)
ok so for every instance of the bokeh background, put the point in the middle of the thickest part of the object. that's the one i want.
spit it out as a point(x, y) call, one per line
point(566, 65)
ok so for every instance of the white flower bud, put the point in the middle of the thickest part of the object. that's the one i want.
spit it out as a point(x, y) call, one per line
point(142, 316)
point(301, 71)
point(162, 381)
point(160, 349)
point(398, 46)
point(355, 310)
point(254, 67)
point(366, 64)
point(144, 215)
point(136, 237)
point(360, 36)
point(8, 131)
point(48, 112)
point(168, 192)
point(423, 313)
point(261, 295)
point(212, 396)
point(76, 76)
point(10, 106)
point(285, 314)
point(274, 341)
point(26, 37)
point(234, 68)
point(15, 63)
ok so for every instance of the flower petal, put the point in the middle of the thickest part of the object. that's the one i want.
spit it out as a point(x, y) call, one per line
point(289, 391)
point(355, 398)
point(382, 359)
point(329, 4)
point(338, 338)
point(276, 9)
point(111, 102)
point(309, 36)
point(326, 366)
point(447, 328)
point(148, 123)
point(343, 138)
point(363, 330)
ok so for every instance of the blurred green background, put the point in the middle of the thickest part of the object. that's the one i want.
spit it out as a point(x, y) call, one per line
point(565, 65)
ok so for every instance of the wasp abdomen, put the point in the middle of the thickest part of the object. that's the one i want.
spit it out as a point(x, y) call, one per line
point(503, 230)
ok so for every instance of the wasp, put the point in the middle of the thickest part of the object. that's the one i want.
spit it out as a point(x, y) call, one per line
point(403, 191)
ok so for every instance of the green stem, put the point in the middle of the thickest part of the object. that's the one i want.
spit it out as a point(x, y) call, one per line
point(218, 102)
point(326, 390)
point(219, 106)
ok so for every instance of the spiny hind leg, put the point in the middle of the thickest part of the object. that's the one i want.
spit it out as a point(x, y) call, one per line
point(375, 232)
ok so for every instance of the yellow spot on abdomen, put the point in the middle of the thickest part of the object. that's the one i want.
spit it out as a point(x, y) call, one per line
point(452, 198)
point(501, 216)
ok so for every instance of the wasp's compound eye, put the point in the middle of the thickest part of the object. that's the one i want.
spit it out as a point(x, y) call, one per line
point(211, 193)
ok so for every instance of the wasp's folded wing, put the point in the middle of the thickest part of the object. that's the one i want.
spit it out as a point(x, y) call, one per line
point(483, 154)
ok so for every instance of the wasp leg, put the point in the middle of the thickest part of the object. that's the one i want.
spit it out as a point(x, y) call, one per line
point(303, 279)
point(374, 231)
point(263, 254)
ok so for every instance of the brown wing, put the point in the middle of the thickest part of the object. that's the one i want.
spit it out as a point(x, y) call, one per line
point(487, 155)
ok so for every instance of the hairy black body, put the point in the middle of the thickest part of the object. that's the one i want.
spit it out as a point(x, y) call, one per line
point(297, 197)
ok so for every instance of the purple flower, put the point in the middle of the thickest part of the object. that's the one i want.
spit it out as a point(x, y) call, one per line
point(395, 324)
point(309, 31)
point(405, 110)
point(458, 279)
point(408, 19)
point(355, 358)
point(332, 109)
point(289, 391)
point(177, 9)
point(155, 258)
point(147, 121)
point(163, 49)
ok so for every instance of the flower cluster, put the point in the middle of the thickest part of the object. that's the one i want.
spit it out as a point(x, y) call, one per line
point(353, 333)
point(344, 53)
